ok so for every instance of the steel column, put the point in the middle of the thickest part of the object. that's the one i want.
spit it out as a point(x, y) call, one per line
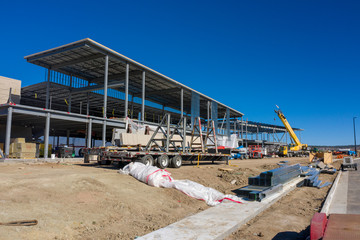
point(67, 137)
point(70, 89)
point(105, 84)
point(46, 136)
point(104, 134)
point(167, 132)
point(143, 98)
point(126, 90)
point(105, 99)
point(184, 135)
point(88, 101)
point(89, 133)
point(47, 90)
point(182, 102)
point(8, 132)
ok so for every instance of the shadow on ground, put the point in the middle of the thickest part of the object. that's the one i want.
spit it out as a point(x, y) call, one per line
point(293, 235)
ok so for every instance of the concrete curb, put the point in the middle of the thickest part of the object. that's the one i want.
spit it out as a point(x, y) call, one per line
point(330, 196)
point(220, 221)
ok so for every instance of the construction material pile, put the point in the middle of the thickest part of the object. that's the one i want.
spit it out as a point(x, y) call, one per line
point(312, 178)
point(19, 149)
point(269, 182)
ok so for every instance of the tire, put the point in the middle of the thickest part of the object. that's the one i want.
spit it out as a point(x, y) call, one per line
point(163, 161)
point(148, 160)
point(176, 161)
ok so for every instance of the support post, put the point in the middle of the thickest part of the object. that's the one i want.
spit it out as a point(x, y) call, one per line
point(104, 134)
point(8, 132)
point(105, 85)
point(89, 133)
point(126, 90)
point(67, 137)
point(167, 132)
point(105, 99)
point(184, 135)
point(182, 102)
point(47, 90)
point(143, 98)
point(132, 105)
point(46, 136)
point(88, 101)
point(70, 89)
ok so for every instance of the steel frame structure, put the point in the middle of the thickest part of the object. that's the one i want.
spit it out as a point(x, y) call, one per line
point(89, 86)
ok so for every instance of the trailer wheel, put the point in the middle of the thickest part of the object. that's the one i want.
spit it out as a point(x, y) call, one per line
point(163, 161)
point(148, 160)
point(176, 161)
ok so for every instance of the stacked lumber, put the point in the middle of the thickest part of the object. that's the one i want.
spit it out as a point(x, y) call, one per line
point(22, 150)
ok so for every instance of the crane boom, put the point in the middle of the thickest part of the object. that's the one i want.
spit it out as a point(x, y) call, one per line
point(288, 127)
point(297, 144)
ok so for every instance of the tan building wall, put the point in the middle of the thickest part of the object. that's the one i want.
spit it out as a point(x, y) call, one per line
point(5, 85)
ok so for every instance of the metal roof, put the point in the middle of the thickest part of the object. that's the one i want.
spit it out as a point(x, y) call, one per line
point(85, 59)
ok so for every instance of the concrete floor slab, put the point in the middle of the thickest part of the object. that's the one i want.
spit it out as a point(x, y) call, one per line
point(219, 221)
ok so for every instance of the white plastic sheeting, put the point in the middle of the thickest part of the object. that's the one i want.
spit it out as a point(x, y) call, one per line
point(157, 177)
point(225, 141)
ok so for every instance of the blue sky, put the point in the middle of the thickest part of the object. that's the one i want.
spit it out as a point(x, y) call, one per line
point(301, 55)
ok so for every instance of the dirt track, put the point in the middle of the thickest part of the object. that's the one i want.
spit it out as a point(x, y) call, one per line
point(76, 201)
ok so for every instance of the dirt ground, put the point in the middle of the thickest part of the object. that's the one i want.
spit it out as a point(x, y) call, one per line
point(87, 201)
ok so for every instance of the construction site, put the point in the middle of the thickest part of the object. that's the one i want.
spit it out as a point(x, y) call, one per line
point(104, 147)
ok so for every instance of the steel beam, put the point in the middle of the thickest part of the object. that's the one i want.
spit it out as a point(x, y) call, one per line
point(143, 97)
point(112, 84)
point(89, 133)
point(46, 136)
point(8, 132)
point(126, 90)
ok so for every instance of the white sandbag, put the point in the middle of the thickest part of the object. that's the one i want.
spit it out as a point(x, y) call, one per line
point(157, 177)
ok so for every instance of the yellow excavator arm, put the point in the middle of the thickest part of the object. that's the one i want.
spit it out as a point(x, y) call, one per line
point(298, 145)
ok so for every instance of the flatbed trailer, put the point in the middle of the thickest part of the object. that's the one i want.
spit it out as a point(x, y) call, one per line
point(108, 155)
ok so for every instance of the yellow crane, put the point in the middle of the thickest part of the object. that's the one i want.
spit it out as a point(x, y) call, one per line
point(296, 148)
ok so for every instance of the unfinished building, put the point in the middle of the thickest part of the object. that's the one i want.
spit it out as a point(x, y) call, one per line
point(90, 89)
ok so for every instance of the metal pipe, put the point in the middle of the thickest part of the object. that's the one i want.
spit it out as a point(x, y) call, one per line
point(143, 98)
point(106, 84)
point(89, 133)
point(8, 131)
point(126, 90)
point(46, 136)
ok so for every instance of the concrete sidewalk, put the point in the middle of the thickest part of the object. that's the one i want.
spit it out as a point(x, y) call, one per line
point(346, 197)
point(219, 221)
